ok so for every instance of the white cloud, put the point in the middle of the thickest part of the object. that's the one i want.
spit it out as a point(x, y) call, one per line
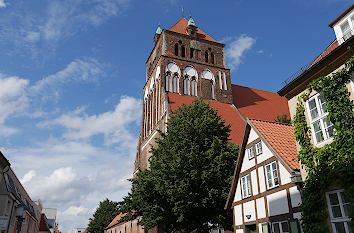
point(112, 124)
point(235, 49)
point(79, 70)
point(13, 97)
point(28, 176)
point(76, 210)
point(2, 3)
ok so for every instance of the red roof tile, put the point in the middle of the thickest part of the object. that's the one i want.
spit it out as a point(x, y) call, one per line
point(281, 138)
point(116, 220)
point(181, 25)
point(226, 111)
point(328, 50)
point(258, 104)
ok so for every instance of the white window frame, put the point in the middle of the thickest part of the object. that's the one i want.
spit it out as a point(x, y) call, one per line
point(344, 219)
point(259, 149)
point(246, 186)
point(280, 226)
point(322, 116)
point(212, 89)
point(250, 155)
point(224, 77)
point(272, 177)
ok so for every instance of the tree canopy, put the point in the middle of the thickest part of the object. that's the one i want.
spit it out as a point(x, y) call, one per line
point(103, 215)
point(190, 174)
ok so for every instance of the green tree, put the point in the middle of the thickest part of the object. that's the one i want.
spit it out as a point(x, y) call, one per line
point(283, 119)
point(104, 214)
point(190, 174)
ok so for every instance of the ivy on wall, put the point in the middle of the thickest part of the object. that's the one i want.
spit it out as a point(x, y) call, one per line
point(333, 163)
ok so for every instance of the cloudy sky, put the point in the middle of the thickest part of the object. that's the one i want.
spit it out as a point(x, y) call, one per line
point(72, 73)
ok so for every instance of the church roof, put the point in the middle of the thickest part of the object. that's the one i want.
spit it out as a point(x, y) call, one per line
point(247, 103)
point(182, 24)
point(116, 220)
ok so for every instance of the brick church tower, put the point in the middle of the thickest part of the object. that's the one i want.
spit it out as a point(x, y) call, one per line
point(185, 62)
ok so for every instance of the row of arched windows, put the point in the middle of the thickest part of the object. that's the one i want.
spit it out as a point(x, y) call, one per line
point(212, 58)
point(180, 50)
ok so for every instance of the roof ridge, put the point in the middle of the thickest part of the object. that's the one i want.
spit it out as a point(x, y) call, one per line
point(255, 89)
point(273, 122)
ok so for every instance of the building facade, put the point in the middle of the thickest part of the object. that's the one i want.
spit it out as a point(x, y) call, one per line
point(316, 114)
point(263, 197)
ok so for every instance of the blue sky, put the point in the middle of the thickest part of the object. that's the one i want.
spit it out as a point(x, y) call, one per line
point(72, 73)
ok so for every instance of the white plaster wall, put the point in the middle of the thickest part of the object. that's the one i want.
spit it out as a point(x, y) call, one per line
point(254, 182)
point(284, 174)
point(253, 136)
point(261, 210)
point(277, 203)
point(238, 215)
point(261, 182)
point(239, 231)
point(295, 197)
point(249, 209)
point(238, 191)
point(246, 163)
point(265, 155)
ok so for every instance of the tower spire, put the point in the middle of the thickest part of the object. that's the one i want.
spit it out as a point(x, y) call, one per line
point(182, 12)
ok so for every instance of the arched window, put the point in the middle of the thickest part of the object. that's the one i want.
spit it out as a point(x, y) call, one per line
point(212, 58)
point(168, 83)
point(220, 81)
point(186, 86)
point(212, 89)
point(194, 87)
point(176, 49)
point(175, 84)
point(224, 76)
point(183, 51)
point(191, 53)
point(206, 56)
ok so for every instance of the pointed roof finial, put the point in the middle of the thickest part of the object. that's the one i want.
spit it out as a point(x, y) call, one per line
point(158, 30)
point(182, 12)
point(191, 21)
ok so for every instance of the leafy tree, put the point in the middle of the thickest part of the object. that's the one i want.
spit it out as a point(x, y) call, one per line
point(190, 174)
point(104, 214)
point(283, 119)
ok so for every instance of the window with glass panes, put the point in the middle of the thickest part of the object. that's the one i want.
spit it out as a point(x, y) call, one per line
point(272, 178)
point(246, 186)
point(338, 207)
point(259, 148)
point(280, 227)
point(322, 129)
point(250, 152)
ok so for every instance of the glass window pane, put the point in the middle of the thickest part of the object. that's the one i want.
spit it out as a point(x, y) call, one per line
point(345, 27)
point(333, 199)
point(349, 227)
point(339, 227)
point(322, 103)
point(318, 131)
point(285, 227)
point(336, 211)
point(344, 197)
point(313, 109)
point(328, 128)
point(276, 228)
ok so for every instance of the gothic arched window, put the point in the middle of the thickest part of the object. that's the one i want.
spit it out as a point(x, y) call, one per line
point(191, 52)
point(212, 90)
point(176, 49)
point(194, 87)
point(183, 51)
point(186, 86)
point(175, 84)
point(168, 82)
point(212, 58)
point(206, 56)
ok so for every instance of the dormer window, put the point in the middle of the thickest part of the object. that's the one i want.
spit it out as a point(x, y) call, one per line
point(345, 29)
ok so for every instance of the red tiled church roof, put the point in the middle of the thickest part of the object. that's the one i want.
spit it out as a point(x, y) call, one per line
point(181, 25)
point(226, 111)
point(258, 104)
point(249, 103)
point(281, 138)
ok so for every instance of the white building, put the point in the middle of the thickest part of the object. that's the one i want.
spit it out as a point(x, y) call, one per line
point(262, 196)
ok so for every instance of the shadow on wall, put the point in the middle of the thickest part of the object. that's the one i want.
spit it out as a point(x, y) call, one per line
point(245, 96)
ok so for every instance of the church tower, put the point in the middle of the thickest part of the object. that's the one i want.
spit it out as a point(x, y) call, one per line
point(186, 62)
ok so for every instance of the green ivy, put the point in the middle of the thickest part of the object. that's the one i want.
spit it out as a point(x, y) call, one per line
point(333, 163)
